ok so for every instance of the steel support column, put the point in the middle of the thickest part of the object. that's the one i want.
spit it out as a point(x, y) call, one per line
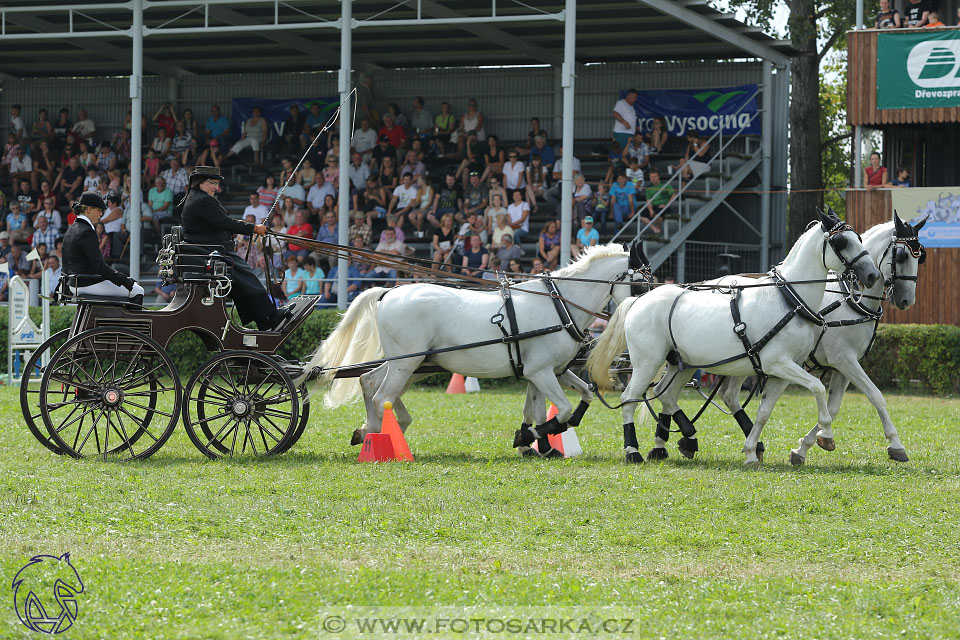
point(346, 119)
point(136, 109)
point(567, 80)
point(766, 159)
point(857, 130)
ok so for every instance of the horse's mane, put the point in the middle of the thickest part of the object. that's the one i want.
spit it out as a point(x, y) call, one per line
point(588, 256)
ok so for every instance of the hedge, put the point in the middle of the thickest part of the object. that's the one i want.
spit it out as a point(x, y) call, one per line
point(902, 355)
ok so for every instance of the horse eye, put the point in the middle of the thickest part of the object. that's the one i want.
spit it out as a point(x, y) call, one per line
point(839, 243)
point(901, 255)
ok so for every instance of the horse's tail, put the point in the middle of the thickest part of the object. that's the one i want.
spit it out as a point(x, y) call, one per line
point(356, 339)
point(611, 343)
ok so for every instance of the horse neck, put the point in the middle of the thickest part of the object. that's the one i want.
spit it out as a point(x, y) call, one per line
point(591, 295)
point(805, 262)
point(876, 241)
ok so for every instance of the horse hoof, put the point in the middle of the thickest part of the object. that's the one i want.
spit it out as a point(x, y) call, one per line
point(523, 438)
point(796, 459)
point(552, 454)
point(527, 452)
point(357, 438)
point(752, 464)
point(688, 448)
point(657, 453)
point(898, 455)
point(634, 457)
point(827, 444)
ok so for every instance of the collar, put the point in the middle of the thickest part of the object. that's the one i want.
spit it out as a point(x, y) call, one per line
point(87, 220)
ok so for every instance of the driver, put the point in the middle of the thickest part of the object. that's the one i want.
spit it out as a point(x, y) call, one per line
point(205, 221)
point(82, 256)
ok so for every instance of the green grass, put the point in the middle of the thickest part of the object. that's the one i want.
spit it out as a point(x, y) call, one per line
point(850, 546)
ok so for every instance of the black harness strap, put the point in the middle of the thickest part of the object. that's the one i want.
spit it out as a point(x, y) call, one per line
point(513, 345)
point(562, 311)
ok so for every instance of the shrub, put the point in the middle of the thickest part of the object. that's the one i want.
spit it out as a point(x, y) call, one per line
point(905, 352)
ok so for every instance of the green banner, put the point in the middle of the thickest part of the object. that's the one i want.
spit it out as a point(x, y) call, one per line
point(918, 70)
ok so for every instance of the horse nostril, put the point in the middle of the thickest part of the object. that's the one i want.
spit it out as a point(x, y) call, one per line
point(871, 279)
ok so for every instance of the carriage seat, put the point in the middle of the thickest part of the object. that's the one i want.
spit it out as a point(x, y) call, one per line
point(186, 263)
point(67, 285)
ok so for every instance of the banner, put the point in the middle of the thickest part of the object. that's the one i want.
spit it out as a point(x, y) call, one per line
point(276, 111)
point(918, 70)
point(706, 110)
point(942, 204)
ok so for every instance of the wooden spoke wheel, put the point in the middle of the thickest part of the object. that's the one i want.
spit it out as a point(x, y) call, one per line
point(110, 391)
point(30, 396)
point(241, 402)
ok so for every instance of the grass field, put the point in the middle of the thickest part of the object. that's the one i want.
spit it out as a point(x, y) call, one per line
point(849, 546)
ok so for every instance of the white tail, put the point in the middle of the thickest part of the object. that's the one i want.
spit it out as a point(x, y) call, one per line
point(355, 340)
point(611, 343)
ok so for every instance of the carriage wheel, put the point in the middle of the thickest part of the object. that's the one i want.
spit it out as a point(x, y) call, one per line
point(103, 388)
point(302, 424)
point(241, 401)
point(30, 398)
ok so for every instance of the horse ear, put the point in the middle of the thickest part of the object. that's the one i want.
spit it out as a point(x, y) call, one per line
point(825, 223)
point(919, 225)
point(637, 257)
point(898, 223)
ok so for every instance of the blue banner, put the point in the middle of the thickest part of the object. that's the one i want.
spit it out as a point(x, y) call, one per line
point(276, 111)
point(734, 109)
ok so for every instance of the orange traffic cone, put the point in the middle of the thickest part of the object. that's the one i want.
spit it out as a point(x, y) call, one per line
point(390, 427)
point(552, 411)
point(377, 447)
point(567, 442)
point(456, 384)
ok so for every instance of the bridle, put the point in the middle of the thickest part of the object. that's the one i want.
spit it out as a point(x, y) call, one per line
point(838, 243)
point(646, 278)
point(910, 246)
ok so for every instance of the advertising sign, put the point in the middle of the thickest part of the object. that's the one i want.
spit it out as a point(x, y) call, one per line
point(276, 111)
point(706, 110)
point(918, 70)
point(941, 204)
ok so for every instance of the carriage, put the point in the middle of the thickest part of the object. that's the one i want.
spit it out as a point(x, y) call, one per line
point(110, 389)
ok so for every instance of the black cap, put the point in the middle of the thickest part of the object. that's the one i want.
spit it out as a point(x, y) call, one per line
point(90, 199)
point(208, 173)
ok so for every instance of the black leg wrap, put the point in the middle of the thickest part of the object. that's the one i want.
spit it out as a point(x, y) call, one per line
point(547, 451)
point(688, 447)
point(550, 426)
point(663, 426)
point(746, 424)
point(577, 415)
point(630, 436)
point(683, 422)
point(524, 436)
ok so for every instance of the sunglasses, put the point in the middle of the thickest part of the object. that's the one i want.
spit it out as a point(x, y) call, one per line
point(512, 156)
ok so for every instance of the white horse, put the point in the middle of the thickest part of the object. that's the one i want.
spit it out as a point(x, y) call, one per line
point(706, 336)
point(895, 249)
point(414, 319)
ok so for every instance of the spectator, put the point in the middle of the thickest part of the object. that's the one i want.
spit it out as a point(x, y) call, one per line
point(636, 148)
point(472, 120)
point(514, 173)
point(45, 165)
point(444, 124)
point(393, 109)
point(331, 287)
point(166, 119)
point(112, 222)
point(21, 166)
point(161, 203)
point(4, 278)
point(103, 241)
point(256, 209)
point(302, 229)
point(536, 175)
point(84, 127)
point(472, 160)
point(165, 292)
point(61, 129)
point(315, 120)
point(307, 174)
point(365, 97)
point(293, 278)
point(495, 209)
point(44, 233)
point(535, 130)
point(658, 135)
point(548, 248)
point(404, 198)
point(659, 197)
point(9, 153)
point(424, 201)
point(444, 238)
point(601, 206)
point(624, 119)
point(312, 277)
point(183, 144)
point(254, 136)
point(519, 212)
point(190, 124)
point(393, 223)
point(176, 180)
point(53, 274)
point(538, 267)
point(291, 128)
point(916, 13)
point(373, 200)
point(92, 181)
point(695, 161)
point(395, 134)
point(476, 257)
point(902, 179)
point(552, 195)
point(329, 206)
point(268, 191)
point(492, 159)
point(151, 167)
point(887, 17)
point(106, 158)
point(476, 196)
point(421, 121)
point(360, 228)
point(70, 180)
point(161, 144)
point(17, 127)
point(383, 150)
point(37, 265)
point(40, 130)
point(500, 228)
point(290, 187)
point(874, 175)
point(217, 127)
point(514, 266)
point(492, 269)
point(364, 140)
point(51, 214)
point(587, 236)
point(120, 144)
point(359, 172)
point(615, 162)
point(288, 211)
point(623, 196)
point(474, 225)
point(27, 197)
point(211, 156)
point(582, 198)
point(508, 250)
point(412, 164)
point(540, 148)
point(448, 200)
point(317, 195)
point(933, 20)
point(635, 174)
point(392, 245)
point(388, 177)
point(17, 261)
point(329, 230)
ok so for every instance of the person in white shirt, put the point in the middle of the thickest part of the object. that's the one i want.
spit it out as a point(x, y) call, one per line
point(364, 140)
point(16, 122)
point(625, 118)
point(519, 213)
point(255, 209)
point(404, 198)
point(514, 173)
point(53, 272)
point(318, 192)
point(553, 195)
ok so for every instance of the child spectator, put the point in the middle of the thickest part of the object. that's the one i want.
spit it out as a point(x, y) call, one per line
point(623, 196)
point(293, 279)
point(902, 179)
point(635, 174)
point(474, 226)
point(933, 20)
